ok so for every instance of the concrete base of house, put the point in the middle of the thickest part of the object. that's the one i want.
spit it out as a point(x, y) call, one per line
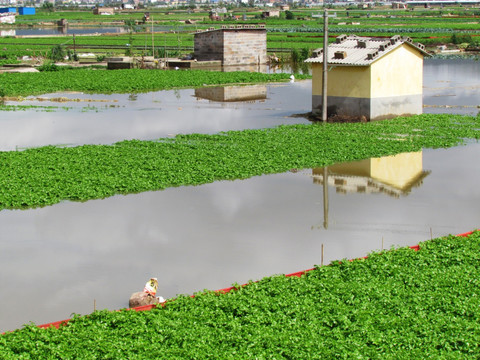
point(372, 108)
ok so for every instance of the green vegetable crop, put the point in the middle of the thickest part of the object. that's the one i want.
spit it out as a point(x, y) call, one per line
point(48, 175)
point(124, 81)
point(397, 304)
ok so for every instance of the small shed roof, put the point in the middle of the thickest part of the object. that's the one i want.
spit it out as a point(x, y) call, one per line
point(361, 51)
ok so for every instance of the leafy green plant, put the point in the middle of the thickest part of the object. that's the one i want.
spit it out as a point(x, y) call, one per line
point(397, 304)
point(57, 53)
point(47, 175)
point(125, 81)
point(48, 66)
point(461, 38)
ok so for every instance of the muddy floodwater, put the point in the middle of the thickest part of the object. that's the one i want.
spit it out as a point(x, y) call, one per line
point(65, 258)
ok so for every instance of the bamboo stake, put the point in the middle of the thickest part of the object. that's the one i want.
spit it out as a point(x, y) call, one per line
point(321, 260)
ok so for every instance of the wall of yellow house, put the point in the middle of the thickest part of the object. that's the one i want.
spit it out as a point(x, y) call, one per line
point(398, 73)
point(342, 81)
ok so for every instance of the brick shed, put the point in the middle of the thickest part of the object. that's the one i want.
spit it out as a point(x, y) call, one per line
point(370, 77)
point(232, 45)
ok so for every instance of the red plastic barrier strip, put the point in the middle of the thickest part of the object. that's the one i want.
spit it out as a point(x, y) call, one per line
point(466, 234)
point(57, 324)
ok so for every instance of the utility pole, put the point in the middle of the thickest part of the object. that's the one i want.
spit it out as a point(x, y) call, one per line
point(325, 64)
point(74, 50)
point(153, 42)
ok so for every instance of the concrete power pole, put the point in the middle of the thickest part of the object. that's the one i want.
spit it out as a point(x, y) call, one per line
point(325, 63)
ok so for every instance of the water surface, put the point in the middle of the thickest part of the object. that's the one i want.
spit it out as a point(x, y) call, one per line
point(60, 259)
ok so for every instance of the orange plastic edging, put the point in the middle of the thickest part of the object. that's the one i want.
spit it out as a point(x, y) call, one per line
point(57, 324)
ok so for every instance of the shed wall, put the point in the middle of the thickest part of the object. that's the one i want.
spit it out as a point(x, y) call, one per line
point(342, 81)
point(232, 47)
point(245, 47)
point(208, 46)
point(389, 87)
point(398, 73)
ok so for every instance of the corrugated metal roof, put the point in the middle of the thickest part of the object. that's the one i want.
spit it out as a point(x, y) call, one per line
point(361, 51)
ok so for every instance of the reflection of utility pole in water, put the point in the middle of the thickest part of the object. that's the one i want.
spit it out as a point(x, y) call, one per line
point(325, 197)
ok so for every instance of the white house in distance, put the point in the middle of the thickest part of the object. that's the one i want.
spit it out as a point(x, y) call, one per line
point(375, 78)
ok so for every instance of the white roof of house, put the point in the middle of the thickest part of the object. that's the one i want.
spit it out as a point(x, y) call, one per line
point(361, 51)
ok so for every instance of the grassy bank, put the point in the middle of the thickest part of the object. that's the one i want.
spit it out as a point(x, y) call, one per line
point(124, 81)
point(48, 175)
point(400, 304)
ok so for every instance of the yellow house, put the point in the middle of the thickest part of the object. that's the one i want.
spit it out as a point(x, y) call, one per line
point(370, 77)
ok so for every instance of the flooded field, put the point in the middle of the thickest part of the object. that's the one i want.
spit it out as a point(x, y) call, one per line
point(62, 259)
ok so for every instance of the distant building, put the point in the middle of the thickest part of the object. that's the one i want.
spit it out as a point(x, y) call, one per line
point(8, 10)
point(232, 45)
point(26, 11)
point(104, 11)
point(7, 18)
point(368, 77)
point(271, 13)
point(398, 5)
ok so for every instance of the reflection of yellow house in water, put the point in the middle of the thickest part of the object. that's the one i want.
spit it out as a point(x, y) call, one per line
point(392, 175)
point(232, 93)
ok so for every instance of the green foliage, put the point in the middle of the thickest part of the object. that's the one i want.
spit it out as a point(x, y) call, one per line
point(461, 38)
point(397, 304)
point(289, 15)
point(48, 175)
point(295, 56)
point(57, 53)
point(300, 56)
point(49, 66)
point(124, 81)
point(8, 59)
point(48, 6)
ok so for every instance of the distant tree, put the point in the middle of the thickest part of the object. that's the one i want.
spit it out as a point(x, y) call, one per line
point(48, 6)
point(57, 53)
point(289, 15)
